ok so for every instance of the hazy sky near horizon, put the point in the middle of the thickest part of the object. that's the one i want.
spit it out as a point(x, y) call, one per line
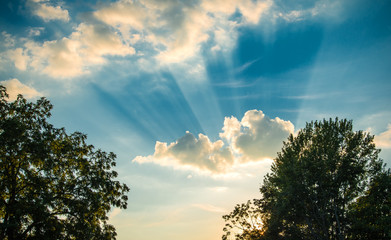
point(195, 97)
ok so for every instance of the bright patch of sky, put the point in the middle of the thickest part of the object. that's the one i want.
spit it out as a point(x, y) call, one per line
point(195, 97)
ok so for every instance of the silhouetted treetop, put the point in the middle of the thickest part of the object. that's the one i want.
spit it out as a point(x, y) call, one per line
point(53, 185)
point(319, 183)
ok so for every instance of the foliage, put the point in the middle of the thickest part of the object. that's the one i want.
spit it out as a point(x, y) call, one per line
point(316, 179)
point(52, 185)
point(371, 213)
point(243, 222)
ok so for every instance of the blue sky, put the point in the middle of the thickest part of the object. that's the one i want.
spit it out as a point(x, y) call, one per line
point(195, 97)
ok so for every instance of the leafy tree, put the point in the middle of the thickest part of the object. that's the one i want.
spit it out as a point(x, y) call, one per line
point(243, 223)
point(315, 180)
point(52, 185)
point(371, 214)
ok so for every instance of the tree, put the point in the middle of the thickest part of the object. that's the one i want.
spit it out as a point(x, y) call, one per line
point(52, 185)
point(371, 214)
point(243, 223)
point(315, 180)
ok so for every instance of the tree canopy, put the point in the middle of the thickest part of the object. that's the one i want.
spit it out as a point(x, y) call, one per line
point(246, 218)
point(53, 185)
point(326, 183)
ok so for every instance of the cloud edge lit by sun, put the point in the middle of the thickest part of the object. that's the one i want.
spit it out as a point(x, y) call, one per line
point(255, 138)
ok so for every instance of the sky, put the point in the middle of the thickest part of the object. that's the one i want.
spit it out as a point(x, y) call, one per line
point(196, 97)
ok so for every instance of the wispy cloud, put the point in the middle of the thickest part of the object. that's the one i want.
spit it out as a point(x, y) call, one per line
point(255, 138)
point(114, 213)
point(35, 31)
point(383, 140)
point(210, 208)
point(174, 31)
point(304, 97)
point(71, 56)
point(219, 189)
point(7, 39)
point(177, 30)
point(47, 12)
point(234, 84)
point(20, 58)
point(15, 87)
point(163, 32)
point(246, 65)
point(241, 97)
point(331, 9)
point(314, 96)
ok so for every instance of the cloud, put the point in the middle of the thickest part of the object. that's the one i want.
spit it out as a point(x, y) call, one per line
point(187, 37)
point(14, 87)
point(250, 10)
point(42, 9)
point(210, 208)
point(35, 31)
point(20, 58)
point(177, 30)
point(253, 139)
point(383, 140)
point(114, 213)
point(72, 56)
point(58, 58)
point(122, 13)
point(329, 9)
point(98, 41)
point(191, 152)
point(7, 39)
point(163, 32)
point(256, 136)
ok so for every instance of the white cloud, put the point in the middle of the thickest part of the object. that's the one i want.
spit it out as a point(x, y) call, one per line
point(383, 140)
point(20, 58)
point(14, 87)
point(255, 138)
point(47, 12)
point(178, 29)
point(190, 152)
point(124, 13)
point(165, 32)
point(72, 56)
point(292, 16)
point(35, 31)
point(7, 39)
point(59, 58)
point(250, 10)
point(187, 38)
point(98, 41)
point(329, 9)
